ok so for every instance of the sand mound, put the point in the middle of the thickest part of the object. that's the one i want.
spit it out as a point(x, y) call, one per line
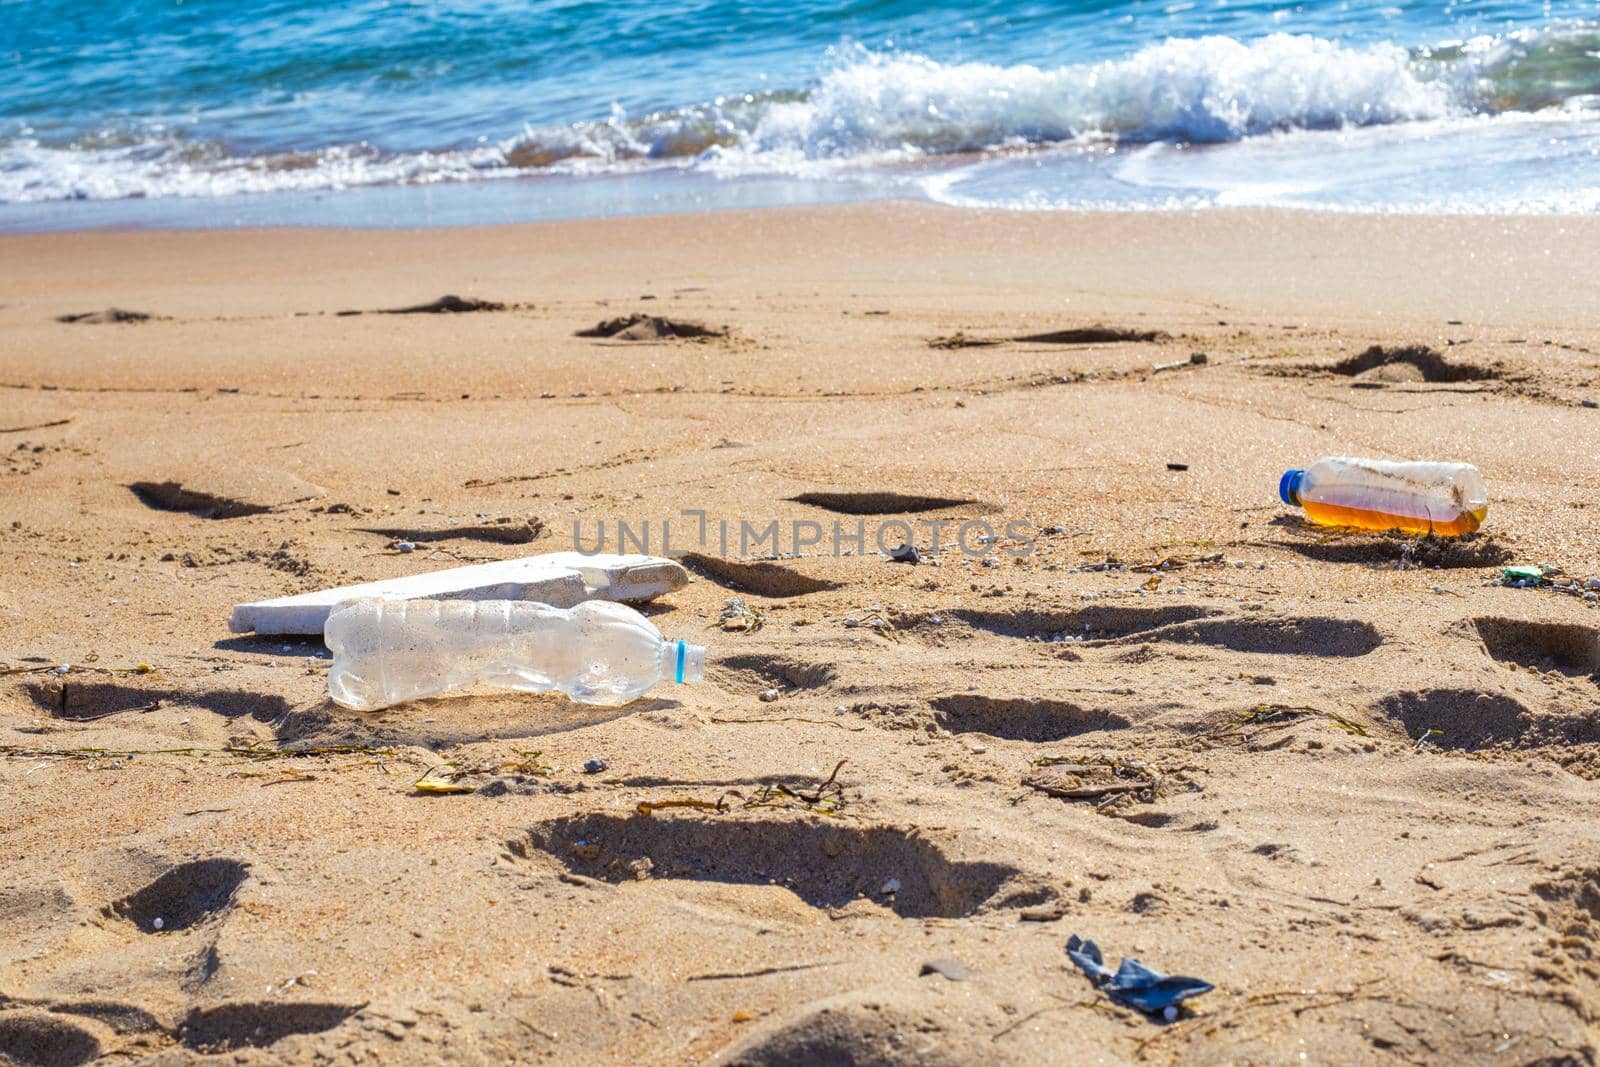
point(849, 1030)
point(1410, 363)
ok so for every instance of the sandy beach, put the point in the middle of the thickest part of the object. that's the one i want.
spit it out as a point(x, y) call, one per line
point(1350, 780)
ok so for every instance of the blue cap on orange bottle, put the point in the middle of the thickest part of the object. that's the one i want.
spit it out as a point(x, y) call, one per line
point(1289, 487)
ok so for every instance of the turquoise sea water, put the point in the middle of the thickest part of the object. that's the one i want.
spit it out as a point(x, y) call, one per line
point(388, 112)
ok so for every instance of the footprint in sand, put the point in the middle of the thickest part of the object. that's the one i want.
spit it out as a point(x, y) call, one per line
point(44, 1039)
point(1020, 718)
point(760, 578)
point(887, 503)
point(758, 672)
point(257, 1024)
point(185, 896)
point(1564, 648)
point(826, 865)
point(1469, 719)
point(228, 492)
point(1090, 628)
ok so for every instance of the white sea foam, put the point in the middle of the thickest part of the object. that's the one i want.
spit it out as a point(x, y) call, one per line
point(1545, 162)
point(869, 110)
point(1205, 89)
point(31, 172)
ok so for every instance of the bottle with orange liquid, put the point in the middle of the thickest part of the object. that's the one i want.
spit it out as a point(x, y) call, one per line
point(1447, 499)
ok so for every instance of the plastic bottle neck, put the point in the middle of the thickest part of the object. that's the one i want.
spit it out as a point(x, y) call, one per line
point(682, 662)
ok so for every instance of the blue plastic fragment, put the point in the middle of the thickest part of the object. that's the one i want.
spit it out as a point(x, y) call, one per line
point(1133, 983)
point(1086, 954)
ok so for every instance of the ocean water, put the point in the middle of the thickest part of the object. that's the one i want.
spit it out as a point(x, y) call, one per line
point(403, 112)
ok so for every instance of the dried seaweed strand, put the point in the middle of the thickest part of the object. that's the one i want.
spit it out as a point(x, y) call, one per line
point(794, 718)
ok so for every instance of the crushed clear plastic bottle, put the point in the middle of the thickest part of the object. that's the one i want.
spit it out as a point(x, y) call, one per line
point(1446, 499)
point(599, 652)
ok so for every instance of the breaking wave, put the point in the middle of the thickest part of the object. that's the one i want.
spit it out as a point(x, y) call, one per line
point(870, 109)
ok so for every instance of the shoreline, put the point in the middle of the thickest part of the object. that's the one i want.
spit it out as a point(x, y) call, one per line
point(216, 206)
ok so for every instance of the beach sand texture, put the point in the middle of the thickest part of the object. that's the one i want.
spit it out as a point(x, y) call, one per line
point(1359, 798)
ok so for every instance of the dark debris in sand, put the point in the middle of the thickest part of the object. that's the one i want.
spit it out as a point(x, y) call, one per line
point(108, 315)
point(174, 496)
point(503, 532)
point(1097, 335)
point(449, 304)
point(641, 327)
point(961, 339)
point(1428, 363)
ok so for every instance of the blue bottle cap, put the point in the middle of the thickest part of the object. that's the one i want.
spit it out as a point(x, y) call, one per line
point(1289, 487)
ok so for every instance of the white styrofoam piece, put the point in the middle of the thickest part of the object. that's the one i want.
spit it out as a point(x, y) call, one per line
point(559, 578)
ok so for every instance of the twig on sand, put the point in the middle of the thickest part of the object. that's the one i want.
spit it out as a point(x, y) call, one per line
point(77, 668)
point(145, 709)
point(536, 1031)
point(290, 775)
point(243, 753)
point(823, 788)
point(650, 807)
point(35, 426)
point(826, 800)
point(722, 976)
point(793, 718)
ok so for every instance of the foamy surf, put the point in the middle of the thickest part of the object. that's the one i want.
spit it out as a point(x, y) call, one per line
point(1043, 137)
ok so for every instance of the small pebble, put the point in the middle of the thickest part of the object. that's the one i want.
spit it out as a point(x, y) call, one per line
point(769, 696)
point(158, 922)
point(954, 970)
point(595, 766)
point(406, 546)
point(1170, 1012)
point(979, 750)
point(891, 886)
point(1591, 403)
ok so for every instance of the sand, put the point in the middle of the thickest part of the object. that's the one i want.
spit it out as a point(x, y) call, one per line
point(1345, 779)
